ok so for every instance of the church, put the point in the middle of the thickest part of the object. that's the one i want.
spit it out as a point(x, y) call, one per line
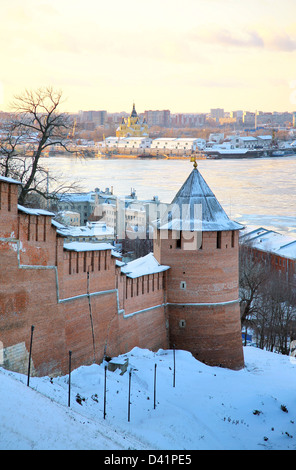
point(82, 297)
point(132, 126)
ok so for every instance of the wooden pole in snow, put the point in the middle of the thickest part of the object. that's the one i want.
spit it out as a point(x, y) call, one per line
point(129, 396)
point(69, 393)
point(155, 386)
point(105, 392)
point(174, 377)
point(30, 355)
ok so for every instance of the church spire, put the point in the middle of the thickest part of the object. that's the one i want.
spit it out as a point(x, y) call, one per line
point(134, 112)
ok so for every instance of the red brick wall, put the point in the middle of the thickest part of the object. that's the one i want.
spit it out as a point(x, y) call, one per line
point(42, 284)
point(201, 276)
point(211, 333)
point(29, 297)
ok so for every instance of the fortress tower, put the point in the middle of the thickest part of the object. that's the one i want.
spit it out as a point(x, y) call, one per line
point(200, 244)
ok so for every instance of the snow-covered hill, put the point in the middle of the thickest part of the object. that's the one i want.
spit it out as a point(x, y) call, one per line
point(209, 408)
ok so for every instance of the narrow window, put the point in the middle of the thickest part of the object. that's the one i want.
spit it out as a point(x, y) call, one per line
point(44, 230)
point(178, 242)
point(84, 261)
point(182, 323)
point(37, 228)
point(201, 240)
point(219, 237)
point(29, 227)
point(232, 238)
point(9, 197)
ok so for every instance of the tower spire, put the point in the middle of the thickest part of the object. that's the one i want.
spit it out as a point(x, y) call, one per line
point(193, 160)
point(196, 197)
point(134, 112)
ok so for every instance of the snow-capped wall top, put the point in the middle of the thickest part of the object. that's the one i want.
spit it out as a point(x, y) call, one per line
point(143, 266)
point(9, 180)
point(30, 211)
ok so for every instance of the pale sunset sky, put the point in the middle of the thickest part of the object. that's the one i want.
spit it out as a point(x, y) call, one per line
point(183, 55)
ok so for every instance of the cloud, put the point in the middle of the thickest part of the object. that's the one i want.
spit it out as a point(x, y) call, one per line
point(224, 37)
point(249, 39)
point(280, 41)
point(283, 42)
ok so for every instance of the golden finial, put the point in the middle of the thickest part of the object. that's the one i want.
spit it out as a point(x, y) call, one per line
point(193, 159)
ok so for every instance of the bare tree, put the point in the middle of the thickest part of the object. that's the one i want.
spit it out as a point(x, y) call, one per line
point(252, 276)
point(35, 125)
point(267, 302)
point(275, 322)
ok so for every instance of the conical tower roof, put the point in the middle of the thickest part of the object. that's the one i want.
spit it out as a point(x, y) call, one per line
point(196, 208)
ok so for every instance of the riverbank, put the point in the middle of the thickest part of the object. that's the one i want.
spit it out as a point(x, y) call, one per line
point(258, 192)
point(209, 154)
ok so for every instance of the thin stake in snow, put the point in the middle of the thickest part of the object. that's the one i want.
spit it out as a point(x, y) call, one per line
point(155, 385)
point(174, 375)
point(129, 396)
point(105, 392)
point(69, 393)
point(30, 355)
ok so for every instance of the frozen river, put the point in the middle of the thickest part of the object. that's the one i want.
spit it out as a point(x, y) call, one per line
point(260, 192)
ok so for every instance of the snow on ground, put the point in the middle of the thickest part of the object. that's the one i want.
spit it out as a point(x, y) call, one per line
point(209, 407)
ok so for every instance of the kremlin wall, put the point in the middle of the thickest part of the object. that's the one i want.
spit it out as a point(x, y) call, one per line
point(81, 297)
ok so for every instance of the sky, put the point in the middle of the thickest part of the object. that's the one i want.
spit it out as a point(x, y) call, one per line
point(186, 56)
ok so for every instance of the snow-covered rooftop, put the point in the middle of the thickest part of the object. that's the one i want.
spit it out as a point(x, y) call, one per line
point(87, 246)
point(9, 180)
point(30, 211)
point(77, 197)
point(270, 241)
point(143, 266)
point(248, 138)
point(86, 231)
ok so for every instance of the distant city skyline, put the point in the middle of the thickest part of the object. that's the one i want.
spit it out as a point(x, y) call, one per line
point(187, 56)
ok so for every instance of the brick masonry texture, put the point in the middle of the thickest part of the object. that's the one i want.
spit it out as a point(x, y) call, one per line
point(80, 301)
